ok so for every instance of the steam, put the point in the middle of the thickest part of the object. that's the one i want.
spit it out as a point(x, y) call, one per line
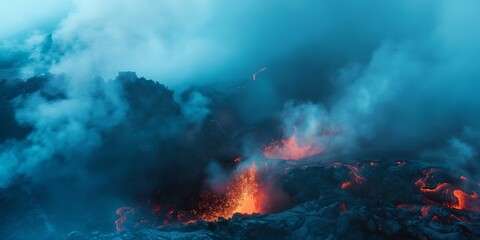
point(195, 108)
point(311, 125)
point(69, 127)
point(384, 79)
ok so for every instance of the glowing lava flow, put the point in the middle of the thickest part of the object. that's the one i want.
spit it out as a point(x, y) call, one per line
point(354, 171)
point(447, 194)
point(244, 195)
point(291, 149)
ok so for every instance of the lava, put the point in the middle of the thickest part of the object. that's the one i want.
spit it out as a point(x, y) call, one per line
point(291, 149)
point(346, 184)
point(244, 195)
point(446, 194)
point(247, 193)
point(354, 171)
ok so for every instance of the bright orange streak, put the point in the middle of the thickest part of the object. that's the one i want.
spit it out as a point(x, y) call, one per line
point(244, 195)
point(466, 201)
point(354, 171)
point(249, 197)
point(346, 185)
point(451, 196)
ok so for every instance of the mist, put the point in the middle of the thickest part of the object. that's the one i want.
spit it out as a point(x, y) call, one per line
point(372, 79)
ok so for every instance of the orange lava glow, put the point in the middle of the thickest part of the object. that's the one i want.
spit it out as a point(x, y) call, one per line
point(354, 171)
point(466, 201)
point(244, 195)
point(446, 194)
point(346, 184)
point(291, 149)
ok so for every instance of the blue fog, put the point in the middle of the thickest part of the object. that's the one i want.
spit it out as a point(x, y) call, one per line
point(400, 78)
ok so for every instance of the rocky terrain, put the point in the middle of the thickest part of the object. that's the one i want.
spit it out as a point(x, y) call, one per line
point(324, 197)
point(385, 204)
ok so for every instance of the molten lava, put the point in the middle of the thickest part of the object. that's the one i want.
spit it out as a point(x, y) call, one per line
point(354, 171)
point(291, 149)
point(244, 195)
point(446, 194)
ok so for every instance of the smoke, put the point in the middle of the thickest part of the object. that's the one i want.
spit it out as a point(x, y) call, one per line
point(67, 126)
point(413, 94)
point(383, 79)
point(312, 125)
point(210, 41)
point(20, 17)
point(195, 108)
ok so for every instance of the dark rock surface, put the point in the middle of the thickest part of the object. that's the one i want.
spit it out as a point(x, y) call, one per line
point(327, 200)
point(387, 209)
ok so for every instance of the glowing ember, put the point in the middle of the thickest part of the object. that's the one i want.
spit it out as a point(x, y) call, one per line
point(247, 193)
point(346, 184)
point(243, 195)
point(446, 194)
point(291, 149)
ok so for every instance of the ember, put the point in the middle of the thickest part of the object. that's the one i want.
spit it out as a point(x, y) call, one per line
point(244, 195)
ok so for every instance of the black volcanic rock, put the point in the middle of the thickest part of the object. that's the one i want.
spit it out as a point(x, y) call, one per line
point(157, 156)
point(323, 210)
